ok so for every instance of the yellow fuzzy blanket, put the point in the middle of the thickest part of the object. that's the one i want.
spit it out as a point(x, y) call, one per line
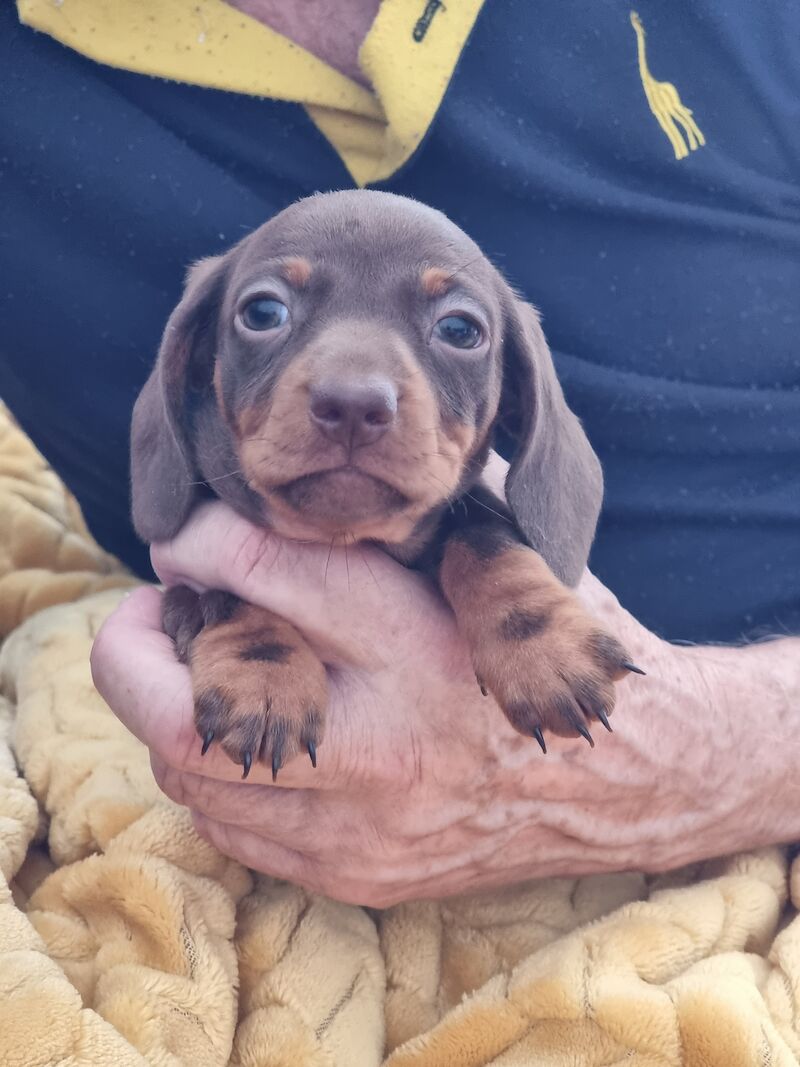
point(124, 939)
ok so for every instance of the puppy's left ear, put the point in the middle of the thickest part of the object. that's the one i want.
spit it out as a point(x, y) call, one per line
point(555, 484)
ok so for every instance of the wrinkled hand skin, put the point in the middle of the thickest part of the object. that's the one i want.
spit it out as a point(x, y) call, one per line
point(423, 789)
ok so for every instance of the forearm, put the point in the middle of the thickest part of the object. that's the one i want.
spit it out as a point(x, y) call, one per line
point(755, 691)
point(745, 704)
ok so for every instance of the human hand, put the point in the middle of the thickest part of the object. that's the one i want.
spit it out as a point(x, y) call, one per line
point(422, 788)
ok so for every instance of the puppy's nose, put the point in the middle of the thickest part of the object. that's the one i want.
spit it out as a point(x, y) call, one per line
point(353, 413)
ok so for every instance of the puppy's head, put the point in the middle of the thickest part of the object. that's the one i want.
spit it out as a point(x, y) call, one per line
point(340, 373)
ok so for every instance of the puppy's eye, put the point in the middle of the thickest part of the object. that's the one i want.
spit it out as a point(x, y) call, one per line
point(264, 313)
point(459, 331)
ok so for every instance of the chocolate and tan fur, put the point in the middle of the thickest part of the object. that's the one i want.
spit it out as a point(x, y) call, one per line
point(352, 361)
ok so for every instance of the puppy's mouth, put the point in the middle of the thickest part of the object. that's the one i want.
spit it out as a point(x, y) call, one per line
point(342, 497)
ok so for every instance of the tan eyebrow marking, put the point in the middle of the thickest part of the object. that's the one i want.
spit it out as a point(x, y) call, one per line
point(296, 271)
point(436, 281)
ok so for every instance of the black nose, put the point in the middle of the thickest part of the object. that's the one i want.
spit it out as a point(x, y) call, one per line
point(353, 413)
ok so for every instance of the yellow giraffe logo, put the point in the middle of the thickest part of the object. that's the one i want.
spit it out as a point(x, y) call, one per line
point(665, 103)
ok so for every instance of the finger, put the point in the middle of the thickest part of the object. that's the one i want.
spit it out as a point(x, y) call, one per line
point(253, 851)
point(337, 597)
point(292, 817)
point(375, 887)
point(257, 853)
point(253, 819)
point(135, 671)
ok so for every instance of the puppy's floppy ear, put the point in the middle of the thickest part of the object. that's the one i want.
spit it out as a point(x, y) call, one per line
point(163, 472)
point(555, 484)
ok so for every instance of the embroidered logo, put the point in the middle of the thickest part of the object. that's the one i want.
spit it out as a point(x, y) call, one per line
point(423, 22)
point(666, 104)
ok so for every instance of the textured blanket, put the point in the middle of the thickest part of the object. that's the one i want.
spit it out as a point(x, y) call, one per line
point(125, 939)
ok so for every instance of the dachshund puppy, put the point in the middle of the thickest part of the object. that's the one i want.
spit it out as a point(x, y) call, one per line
point(352, 360)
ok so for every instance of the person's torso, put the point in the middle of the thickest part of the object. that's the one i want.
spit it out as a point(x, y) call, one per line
point(636, 176)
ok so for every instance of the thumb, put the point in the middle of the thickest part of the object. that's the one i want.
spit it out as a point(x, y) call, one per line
point(135, 671)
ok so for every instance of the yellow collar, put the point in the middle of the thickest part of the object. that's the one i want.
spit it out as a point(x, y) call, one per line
point(409, 56)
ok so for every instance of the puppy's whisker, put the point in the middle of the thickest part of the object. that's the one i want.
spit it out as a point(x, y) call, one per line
point(434, 480)
point(230, 474)
point(447, 495)
point(365, 561)
point(327, 563)
point(433, 455)
point(216, 478)
point(475, 500)
point(464, 266)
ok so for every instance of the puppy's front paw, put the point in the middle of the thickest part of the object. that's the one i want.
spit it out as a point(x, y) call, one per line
point(551, 668)
point(259, 690)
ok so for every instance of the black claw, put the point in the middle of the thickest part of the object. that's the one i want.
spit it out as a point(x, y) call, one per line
point(276, 765)
point(633, 668)
point(312, 753)
point(207, 742)
point(582, 730)
point(247, 763)
point(537, 733)
point(601, 715)
point(481, 686)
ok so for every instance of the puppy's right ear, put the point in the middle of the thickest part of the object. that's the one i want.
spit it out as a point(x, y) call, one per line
point(163, 472)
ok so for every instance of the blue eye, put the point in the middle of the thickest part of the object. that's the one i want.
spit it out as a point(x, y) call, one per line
point(264, 313)
point(459, 331)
